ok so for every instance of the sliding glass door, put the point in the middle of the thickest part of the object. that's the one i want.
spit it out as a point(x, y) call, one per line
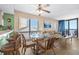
point(73, 30)
point(71, 27)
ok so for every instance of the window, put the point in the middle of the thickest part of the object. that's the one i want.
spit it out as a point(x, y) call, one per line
point(23, 23)
point(28, 26)
point(34, 25)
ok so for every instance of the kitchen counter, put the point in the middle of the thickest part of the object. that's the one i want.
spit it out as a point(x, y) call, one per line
point(3, 36)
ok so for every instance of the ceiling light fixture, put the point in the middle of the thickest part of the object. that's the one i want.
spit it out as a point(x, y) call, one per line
point(42, 8)
point(39, 12)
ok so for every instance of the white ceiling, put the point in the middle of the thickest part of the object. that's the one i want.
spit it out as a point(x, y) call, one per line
point(58, 11)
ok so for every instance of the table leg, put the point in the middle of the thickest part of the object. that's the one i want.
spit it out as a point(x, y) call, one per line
point(71, 40)
point(37, 48)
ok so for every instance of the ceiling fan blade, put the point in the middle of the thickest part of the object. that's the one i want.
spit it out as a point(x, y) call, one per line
point(39, 7)
point(46, 5)
point(46, 11)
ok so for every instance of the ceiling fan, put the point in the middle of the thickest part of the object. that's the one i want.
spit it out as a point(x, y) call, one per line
point(42, 8)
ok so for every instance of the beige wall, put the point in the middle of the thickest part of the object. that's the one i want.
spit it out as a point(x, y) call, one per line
point(19, 14)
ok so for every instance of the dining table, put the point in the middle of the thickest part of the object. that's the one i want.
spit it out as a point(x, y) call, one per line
point(37, 37)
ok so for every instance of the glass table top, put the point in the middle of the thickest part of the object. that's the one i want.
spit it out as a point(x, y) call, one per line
point(35, 35)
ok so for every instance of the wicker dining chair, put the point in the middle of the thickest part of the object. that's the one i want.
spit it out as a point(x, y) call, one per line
point(7, 50)
point(49, 45)
point(25, 45)
point(12, 48)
